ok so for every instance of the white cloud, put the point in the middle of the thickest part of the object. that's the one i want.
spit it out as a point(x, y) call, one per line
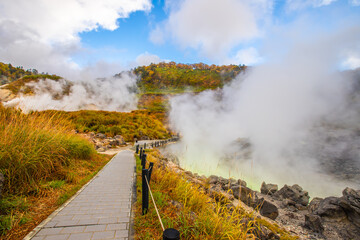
point(351, 63)
point(354, 2)
point(301, 4)
point(157, 35)
point(146, 59)
point(210, 26)
point(248, 56)
point(43, 33)
point(62, 20)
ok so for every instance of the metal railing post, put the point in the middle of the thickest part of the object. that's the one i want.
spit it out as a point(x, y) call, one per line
point(143, 160)
point(151, 166)
point(145, 191)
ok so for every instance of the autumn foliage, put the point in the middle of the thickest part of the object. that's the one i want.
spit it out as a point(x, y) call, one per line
point(172, 77)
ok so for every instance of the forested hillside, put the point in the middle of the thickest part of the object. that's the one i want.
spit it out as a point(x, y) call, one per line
point(173, 77)
point(8, 73)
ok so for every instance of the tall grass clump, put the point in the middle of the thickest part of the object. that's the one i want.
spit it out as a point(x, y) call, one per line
point(35, 148)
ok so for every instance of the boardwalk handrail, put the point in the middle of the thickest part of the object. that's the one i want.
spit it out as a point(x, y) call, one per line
point(169, 233)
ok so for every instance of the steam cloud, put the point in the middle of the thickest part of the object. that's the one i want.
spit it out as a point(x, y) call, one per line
point(110, 94)
point(291, 120)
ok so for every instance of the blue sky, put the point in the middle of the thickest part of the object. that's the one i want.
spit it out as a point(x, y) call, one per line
point(132, 37)
point(71, 35)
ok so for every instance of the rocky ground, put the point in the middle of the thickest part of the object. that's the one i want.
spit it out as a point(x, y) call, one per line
point(104, 144)
point(289, 206)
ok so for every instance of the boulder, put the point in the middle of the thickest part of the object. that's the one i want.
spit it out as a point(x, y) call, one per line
point(244, 194)
point(330, 208)
point(120, 139)
point(313, 222)
point(101, 149)
point(294, 193)
point(350, 203)
point(267, 209)
point(314, 204)
point(232, 181)
point(263, 233)
point(114, 142)
point(268, 189)
point(100, 135)
point(223, 181)
point(339, 216)
point(228, 183)
point(215, 192)
point(241, 182)
point(213, 179)
point(288, 202)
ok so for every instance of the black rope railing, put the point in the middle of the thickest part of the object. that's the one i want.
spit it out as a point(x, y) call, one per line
point(169, 233)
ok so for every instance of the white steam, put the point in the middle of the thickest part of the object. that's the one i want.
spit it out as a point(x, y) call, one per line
point(282, 122)
point(110, 94)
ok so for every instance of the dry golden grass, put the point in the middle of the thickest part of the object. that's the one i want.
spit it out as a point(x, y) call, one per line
point(186, 207)
point(42, 161)
point(50, 197)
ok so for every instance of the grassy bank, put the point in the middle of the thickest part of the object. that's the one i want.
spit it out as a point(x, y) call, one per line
point(187, 207)
point(43, 163)
point(130, 125)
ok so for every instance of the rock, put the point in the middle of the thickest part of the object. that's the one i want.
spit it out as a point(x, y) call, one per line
point(232, 181)
point(314, 204)
point(120, 139)
point(2, 179)
point(330, 208)
point(241, 182)
point(350, 202)
point(228, 183)
point(213, 179)
point(244, 194)
point(294, 193)
point(313, 222)
point(215, 192)
point(114, 142)
point(268, 189)
point(101, 149)
point(267, 209)
point(263, 233)
point(223, 181)
point(177, 204)
point(288, 202)
point(100, 135)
